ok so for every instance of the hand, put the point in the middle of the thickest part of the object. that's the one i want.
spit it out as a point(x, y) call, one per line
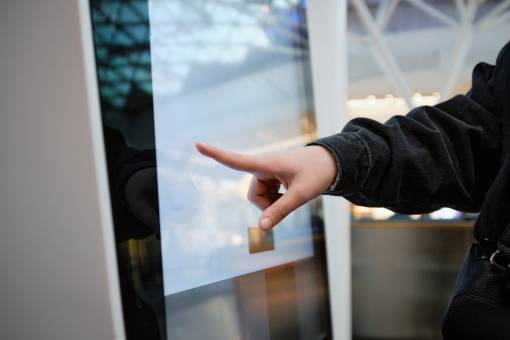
point(304, 172)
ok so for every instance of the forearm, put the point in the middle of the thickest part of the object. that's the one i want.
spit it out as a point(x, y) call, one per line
point(439, 156)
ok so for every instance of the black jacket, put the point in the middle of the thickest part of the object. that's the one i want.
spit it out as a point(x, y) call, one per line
point(455, 154)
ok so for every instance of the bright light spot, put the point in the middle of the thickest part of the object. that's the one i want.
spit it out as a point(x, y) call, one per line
point(237, 240)
point(444, 214)
point(382, 213)
point(381, 109)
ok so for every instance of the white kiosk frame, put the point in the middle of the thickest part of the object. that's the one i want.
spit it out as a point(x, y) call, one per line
point(57, 255)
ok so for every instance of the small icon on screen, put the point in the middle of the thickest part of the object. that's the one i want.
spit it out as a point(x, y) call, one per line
point(259, 240)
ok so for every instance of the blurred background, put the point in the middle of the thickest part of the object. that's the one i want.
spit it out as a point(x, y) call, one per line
point(403, 54)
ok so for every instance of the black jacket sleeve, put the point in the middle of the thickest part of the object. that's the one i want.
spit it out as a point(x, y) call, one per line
point(441, 156)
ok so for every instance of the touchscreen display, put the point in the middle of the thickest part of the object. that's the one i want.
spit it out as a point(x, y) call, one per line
point(234, 76)
point(192, 261)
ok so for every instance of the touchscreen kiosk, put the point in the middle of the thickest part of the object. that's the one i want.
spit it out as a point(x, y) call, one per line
point(192, 262)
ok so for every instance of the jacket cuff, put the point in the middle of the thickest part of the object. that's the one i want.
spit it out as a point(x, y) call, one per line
point(352, 161)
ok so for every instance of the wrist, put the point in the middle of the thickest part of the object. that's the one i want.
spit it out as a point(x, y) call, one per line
point(326, 163)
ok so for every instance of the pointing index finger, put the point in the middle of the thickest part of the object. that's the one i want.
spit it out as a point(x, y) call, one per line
point(231, 159)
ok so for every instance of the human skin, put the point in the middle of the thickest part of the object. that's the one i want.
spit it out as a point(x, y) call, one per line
point(304, 172)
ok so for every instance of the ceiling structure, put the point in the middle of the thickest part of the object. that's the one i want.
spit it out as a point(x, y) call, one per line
point(403, 47)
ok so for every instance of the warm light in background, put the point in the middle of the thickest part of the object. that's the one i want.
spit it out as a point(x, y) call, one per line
point(381, 109)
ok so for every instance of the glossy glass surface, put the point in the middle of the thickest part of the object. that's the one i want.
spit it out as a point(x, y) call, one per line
point(238, 80)
point(235, 74)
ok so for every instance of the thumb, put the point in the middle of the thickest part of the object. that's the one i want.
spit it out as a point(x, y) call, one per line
point(287, 203)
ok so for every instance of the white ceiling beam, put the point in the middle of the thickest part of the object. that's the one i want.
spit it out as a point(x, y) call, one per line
point(488, 20)
point(433, 12)
point(495, 22)
point(499, 8)
point(383, 53)
point(385, 13)
point(461, 48)
point(461, 7)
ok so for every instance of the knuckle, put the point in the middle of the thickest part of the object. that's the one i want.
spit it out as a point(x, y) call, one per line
point(279, 211)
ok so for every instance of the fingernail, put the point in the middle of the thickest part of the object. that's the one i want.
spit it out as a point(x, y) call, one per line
point(266, 223)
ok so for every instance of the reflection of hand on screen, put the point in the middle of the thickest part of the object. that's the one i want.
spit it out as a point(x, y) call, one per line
point(305, 173)
point(141, 197)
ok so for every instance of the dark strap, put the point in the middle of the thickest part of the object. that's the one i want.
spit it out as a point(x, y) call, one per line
point(500, 258)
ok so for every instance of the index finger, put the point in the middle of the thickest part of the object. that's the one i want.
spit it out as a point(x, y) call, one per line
point(231, 159)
